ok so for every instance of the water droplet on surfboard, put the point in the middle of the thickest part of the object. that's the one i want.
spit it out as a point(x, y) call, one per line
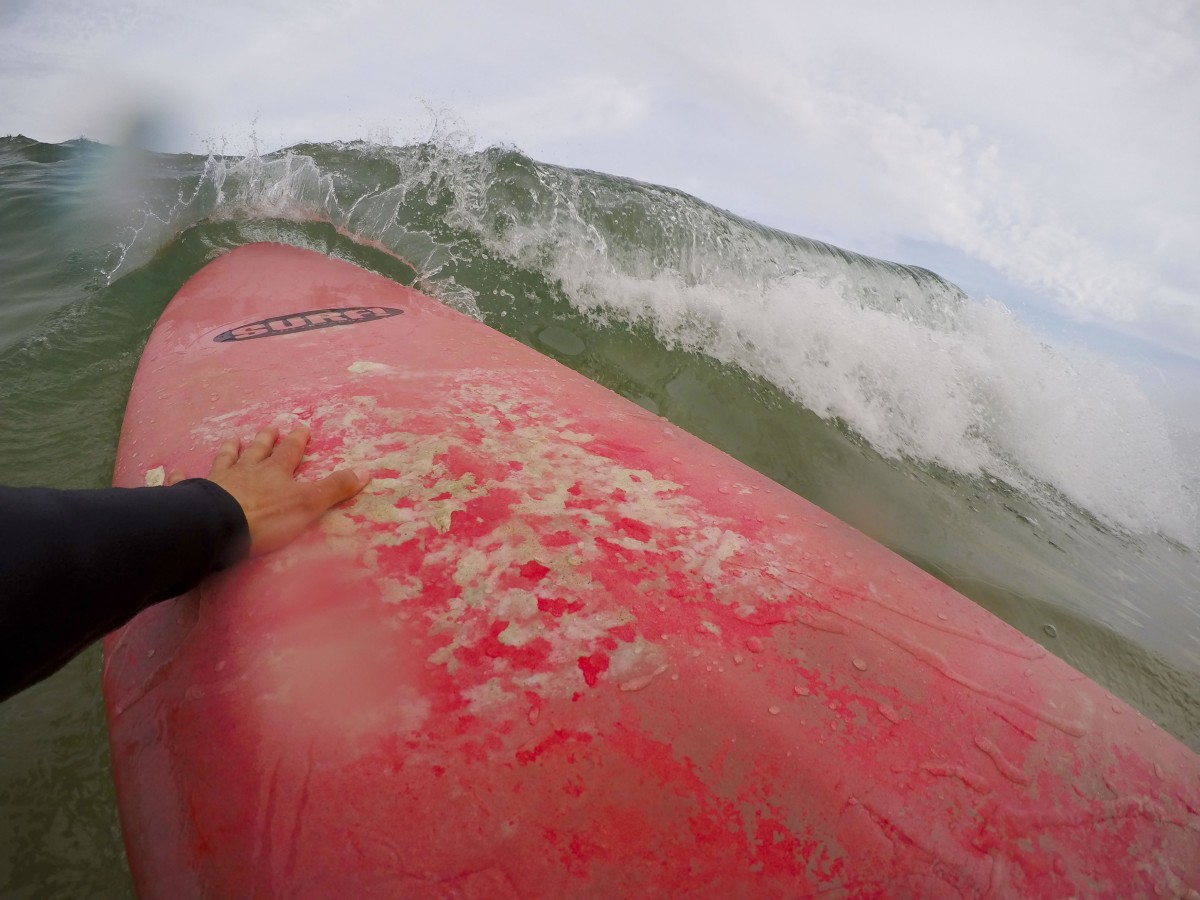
point(642, 681)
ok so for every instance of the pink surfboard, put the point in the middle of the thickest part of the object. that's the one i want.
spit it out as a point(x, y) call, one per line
point(561, 648)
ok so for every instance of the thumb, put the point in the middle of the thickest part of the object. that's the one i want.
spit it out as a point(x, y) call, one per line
point(339, 486)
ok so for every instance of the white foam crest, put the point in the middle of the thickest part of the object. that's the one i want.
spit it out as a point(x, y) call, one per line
point(970, 389)
point(293, 186)
point(288, 187)
point(903, 358)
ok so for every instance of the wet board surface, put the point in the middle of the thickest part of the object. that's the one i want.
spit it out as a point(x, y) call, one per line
point(561, 648)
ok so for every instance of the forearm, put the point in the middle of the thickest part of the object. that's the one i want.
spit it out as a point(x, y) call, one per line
point(74, 565)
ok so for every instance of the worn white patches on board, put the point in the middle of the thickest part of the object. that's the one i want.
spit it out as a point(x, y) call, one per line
point(246, 421)
point(718, 546)
point(589, 629)
point(365, 367)
point(576, 437)
point(547, 479)
point(222, 426)
point(518, 634)
point(486, 696)
point(517, 605)
point(401, 590)
point(640, 659)
point(472, 566)
point(156, 477)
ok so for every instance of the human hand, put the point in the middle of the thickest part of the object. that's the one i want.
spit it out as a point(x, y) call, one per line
point(262, 478)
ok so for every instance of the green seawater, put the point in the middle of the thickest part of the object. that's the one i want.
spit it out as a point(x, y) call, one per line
point(825, 370)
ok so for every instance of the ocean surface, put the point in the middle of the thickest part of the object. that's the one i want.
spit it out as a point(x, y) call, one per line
point(1041, 482)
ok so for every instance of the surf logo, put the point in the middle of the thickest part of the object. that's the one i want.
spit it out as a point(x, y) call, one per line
point(307, 321)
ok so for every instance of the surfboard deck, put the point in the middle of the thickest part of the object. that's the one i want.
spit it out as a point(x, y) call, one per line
point(559, 647)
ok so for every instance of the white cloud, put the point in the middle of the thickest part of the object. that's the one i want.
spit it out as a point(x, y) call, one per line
point(573, 109)
point(1058, 145)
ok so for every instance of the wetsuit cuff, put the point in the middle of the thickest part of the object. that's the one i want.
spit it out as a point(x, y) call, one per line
point(233, 530)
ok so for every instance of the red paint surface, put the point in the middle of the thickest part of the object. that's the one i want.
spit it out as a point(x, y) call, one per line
point(546, 655)
point(593, 667)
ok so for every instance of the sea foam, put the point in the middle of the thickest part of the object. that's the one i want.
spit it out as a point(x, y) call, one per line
point(900, 356)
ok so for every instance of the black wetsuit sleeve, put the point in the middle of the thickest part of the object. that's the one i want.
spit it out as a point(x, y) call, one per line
point(74, 565)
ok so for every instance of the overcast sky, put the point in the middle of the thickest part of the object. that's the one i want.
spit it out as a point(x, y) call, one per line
point(1047, 153)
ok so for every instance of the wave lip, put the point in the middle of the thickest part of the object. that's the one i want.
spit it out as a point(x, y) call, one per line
point(899, 355)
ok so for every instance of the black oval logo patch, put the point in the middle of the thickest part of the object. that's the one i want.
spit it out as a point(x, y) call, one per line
point(307, 321)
